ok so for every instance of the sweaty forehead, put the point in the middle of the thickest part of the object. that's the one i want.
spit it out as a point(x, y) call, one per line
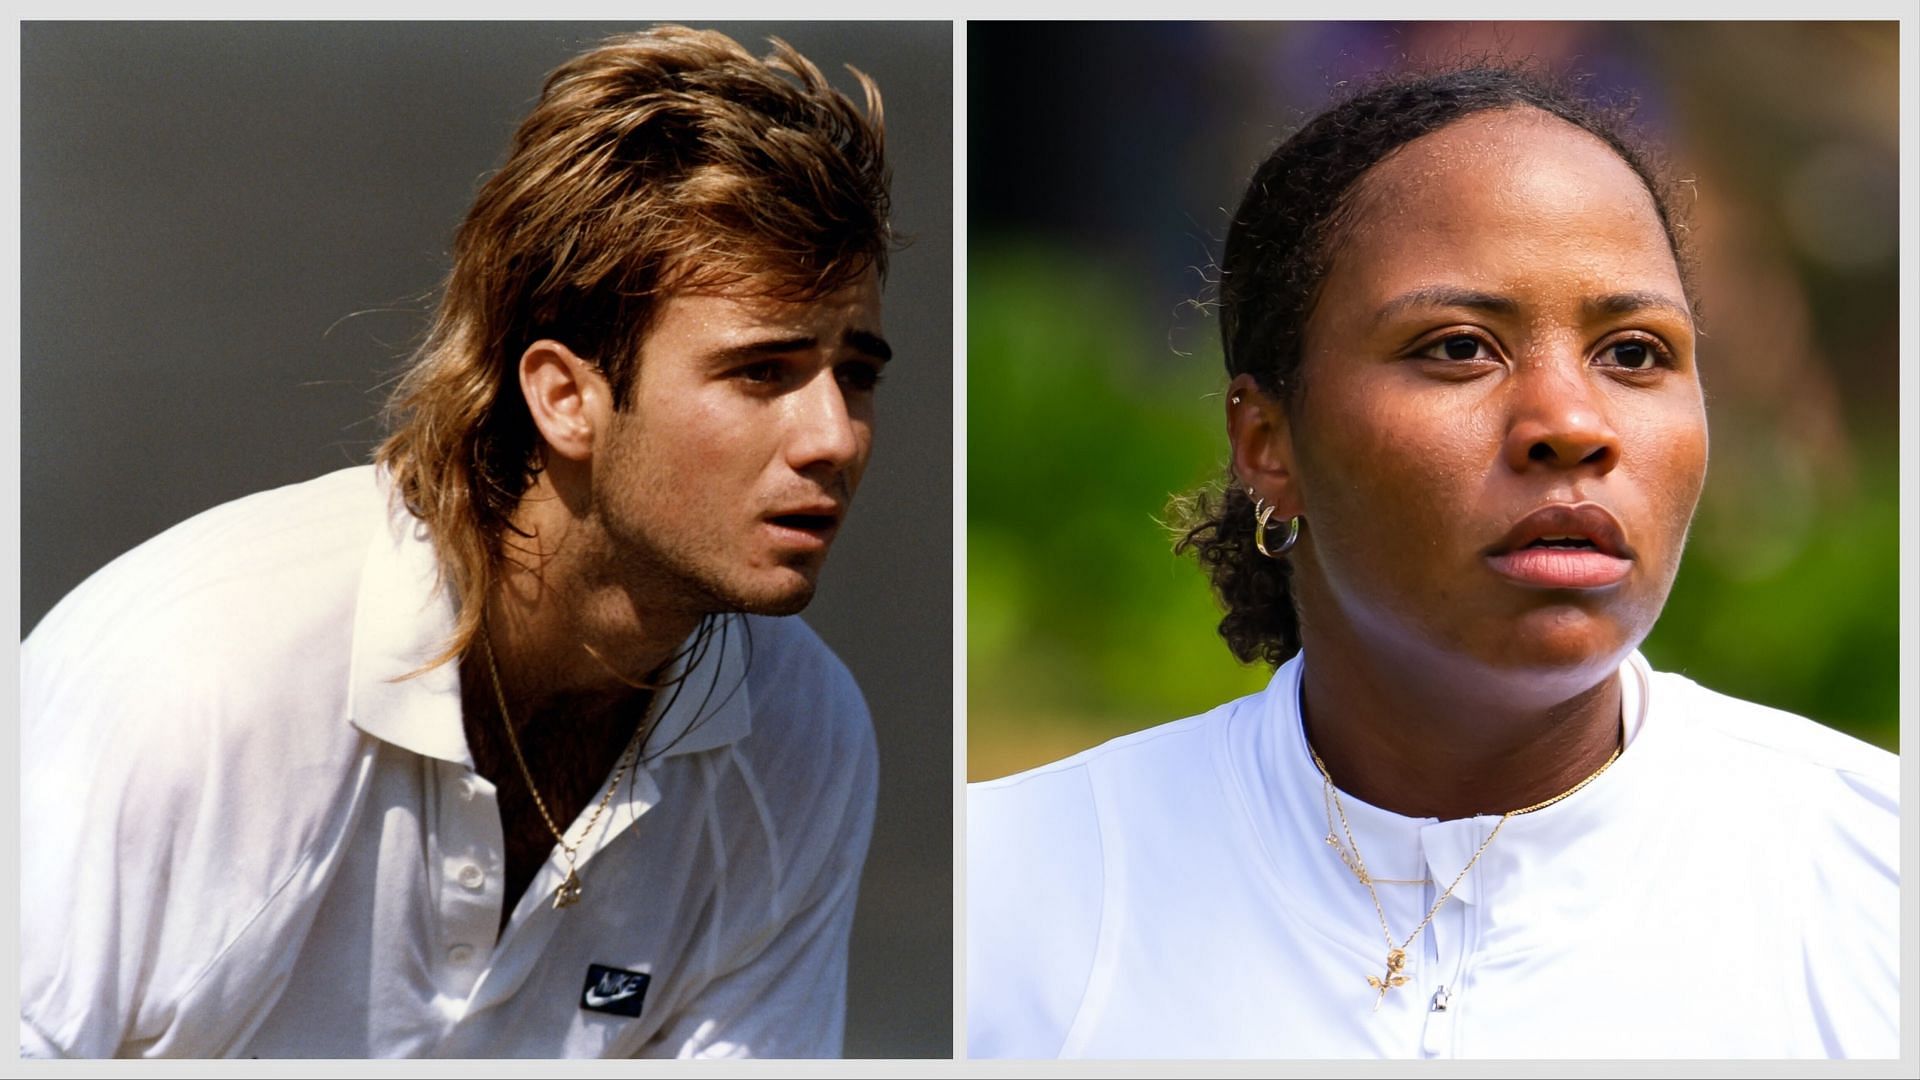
point(1522, 152)
point(1513, 189)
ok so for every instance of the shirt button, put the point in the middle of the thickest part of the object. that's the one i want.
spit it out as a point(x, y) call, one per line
point(472, 876)
point(460, 954)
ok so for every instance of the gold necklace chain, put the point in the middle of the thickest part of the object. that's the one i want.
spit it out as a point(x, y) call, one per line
point(568, 892)
point(1350, 855)
point(1354, 865)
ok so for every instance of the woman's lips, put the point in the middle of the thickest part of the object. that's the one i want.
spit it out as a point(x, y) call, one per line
point(1561, 567)
point(1564, 546)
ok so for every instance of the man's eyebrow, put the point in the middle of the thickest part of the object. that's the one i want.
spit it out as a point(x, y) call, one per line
point(1446, 296)
point(872, 344)
point(1626, 303)
point(747, 353)
point(860, 340)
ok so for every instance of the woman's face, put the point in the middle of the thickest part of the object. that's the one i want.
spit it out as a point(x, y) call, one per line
point(1500, 437)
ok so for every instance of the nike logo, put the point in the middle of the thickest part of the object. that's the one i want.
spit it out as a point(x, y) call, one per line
point(613, 990)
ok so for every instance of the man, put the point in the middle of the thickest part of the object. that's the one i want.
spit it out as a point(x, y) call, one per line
point(493, 749)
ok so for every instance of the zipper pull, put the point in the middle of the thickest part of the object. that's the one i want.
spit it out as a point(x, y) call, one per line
point(1440, 1000)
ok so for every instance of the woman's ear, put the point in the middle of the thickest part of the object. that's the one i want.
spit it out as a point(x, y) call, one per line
point(568, 398)
point(1261, 439)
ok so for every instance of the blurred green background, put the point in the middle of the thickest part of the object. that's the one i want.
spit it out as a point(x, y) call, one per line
point(1102, 160)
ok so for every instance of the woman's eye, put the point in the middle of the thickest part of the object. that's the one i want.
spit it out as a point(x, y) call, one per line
point(1633, 355)
point(1457, 347)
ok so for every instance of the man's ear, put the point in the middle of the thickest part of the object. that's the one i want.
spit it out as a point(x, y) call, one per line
point(569, 399)
point(1261, 438)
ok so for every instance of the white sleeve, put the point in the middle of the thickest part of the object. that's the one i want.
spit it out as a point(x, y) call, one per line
point(785, 994)
point(1852, 939)
point(98, 810)
point(160, 902)
point(35, 1045)
point(1035, 882)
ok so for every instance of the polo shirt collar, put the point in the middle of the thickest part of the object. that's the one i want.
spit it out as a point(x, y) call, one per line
point(403, 620)
point(1560, 857)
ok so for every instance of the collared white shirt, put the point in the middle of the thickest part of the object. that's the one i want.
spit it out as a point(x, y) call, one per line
point(1728, 888)
point(245, 832)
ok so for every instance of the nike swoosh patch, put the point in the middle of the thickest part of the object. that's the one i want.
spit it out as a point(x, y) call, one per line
point(614, 990)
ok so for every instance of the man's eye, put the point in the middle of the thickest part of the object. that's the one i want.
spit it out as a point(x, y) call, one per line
point(858, 376)
point(1457, 347)
point(767, 371)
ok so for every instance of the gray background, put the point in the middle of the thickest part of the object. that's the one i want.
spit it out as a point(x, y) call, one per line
point(231, 235)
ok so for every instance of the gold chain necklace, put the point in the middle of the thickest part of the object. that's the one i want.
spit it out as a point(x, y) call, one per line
point(568, 892)
point(1350, 855)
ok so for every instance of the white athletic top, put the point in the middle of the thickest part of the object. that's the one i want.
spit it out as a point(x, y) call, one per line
point(243, 835)
point(1729, 888)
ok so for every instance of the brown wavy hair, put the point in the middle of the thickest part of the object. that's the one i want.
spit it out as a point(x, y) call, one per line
point(659, 161)
point(1281, 243)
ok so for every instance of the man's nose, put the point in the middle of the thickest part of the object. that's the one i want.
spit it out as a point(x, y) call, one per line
point(1559, 418)
point(825, 433)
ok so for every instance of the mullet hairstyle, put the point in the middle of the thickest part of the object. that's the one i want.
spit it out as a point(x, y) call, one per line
point(657, 162)
point(1285, 237)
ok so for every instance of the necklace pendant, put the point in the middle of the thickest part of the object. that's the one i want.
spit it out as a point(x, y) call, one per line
point(1396, 963)
point(568, 894)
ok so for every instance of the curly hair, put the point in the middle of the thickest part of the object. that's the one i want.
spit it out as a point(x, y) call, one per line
point(1280, 245)
point(659, 161)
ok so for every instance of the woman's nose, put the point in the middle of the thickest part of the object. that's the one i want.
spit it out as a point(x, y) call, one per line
point(1560, 419)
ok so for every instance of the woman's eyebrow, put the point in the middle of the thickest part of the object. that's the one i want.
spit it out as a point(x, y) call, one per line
point(1446, 296)
point(1626, 303)
point(1620, 303)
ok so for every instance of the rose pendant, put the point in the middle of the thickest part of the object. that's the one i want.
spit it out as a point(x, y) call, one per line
point(568, 894)
point(1396, 962)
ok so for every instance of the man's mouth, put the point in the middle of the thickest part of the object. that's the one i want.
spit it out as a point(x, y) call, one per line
point(806, 527)
point(812, 523)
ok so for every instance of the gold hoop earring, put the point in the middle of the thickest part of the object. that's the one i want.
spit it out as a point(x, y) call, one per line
point(1262, 515)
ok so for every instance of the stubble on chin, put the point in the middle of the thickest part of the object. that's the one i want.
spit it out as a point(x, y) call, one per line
point(789, 597)
point(791, 604)
point(718, 596)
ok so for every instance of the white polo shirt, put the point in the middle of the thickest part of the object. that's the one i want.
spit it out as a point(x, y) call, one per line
point(242, 834)
point(1729, 888)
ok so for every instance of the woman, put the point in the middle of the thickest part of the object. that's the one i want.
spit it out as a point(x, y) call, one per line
point(1465, 818)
